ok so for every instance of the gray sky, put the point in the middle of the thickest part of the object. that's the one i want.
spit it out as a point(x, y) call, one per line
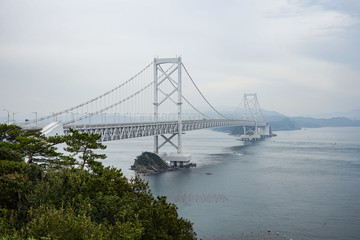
point(300, 57)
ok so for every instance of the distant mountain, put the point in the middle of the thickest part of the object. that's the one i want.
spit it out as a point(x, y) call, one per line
point(281, 122)
point(353, 115)
point(273, 115)
point(330, 122)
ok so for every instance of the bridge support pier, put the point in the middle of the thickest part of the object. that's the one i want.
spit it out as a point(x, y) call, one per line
point(178, 158)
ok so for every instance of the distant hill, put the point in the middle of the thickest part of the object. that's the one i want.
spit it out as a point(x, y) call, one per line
point(281, 122)
point(330, 122)
point(353, 115)
point(273, 115)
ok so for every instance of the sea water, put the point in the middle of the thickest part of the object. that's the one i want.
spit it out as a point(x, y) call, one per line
point(304, 183)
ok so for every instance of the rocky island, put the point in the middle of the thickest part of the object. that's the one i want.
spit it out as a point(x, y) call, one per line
point(149, 162)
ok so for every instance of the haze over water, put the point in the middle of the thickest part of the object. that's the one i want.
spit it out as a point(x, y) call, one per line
point(304, 183)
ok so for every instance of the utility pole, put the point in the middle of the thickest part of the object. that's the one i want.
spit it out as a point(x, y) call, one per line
point(14, 116)
point(35, 118)
point(8, 113)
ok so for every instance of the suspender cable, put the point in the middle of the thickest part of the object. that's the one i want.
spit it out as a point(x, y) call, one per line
point(201, 92)
point(189, 102)
point(90, 101)
point(111, 106)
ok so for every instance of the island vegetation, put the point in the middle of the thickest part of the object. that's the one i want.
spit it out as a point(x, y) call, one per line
point(149, 162)
point(46, 194)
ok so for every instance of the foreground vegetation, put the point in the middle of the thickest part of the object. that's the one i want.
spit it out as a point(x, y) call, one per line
point(49, 195)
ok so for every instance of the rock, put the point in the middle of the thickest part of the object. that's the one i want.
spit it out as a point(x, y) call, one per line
point(149, 162)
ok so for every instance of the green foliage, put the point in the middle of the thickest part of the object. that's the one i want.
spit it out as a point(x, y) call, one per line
point(149, 162)
point(9, 132)
point(81, 145)
point(32, 146)
point(73, 203)
point(37, 148)
point(65, 223)
point(17, 180)
point(9, 154)
point(148, 158)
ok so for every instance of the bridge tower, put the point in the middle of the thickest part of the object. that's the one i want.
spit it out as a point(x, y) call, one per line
point(252, 108)
point(162, 95)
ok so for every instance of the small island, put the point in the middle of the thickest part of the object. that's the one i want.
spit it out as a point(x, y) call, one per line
point(151, 163)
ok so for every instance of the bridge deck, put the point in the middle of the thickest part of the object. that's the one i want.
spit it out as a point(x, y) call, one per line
point(111, 132)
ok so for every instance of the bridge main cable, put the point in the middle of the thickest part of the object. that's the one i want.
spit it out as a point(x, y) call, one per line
point(203, 114)
point(201, 93)
point(109, 107)
point(87, 102)
point(89, 115)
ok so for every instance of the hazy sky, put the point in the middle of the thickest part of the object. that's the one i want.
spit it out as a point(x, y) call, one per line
point(300, 57)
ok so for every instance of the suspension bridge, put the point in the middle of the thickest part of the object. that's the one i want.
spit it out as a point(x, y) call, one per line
point(158, 102)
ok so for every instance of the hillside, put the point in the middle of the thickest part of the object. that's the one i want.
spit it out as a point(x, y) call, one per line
point(281, 122)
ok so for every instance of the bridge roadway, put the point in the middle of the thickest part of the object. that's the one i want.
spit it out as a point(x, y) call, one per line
point(110, 132)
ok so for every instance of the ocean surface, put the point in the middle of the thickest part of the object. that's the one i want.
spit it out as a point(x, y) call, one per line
point(304, 184)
